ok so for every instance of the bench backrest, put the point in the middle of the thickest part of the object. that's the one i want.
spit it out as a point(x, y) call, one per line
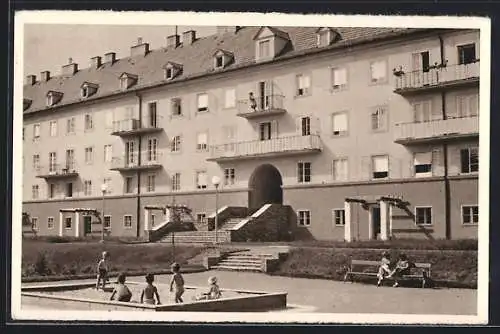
point(377, 263)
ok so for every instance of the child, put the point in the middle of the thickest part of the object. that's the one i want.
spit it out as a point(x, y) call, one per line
point(150, 291)
point(253, 103)
point(213, 290)
point(402, 268)
point(178, 281)
point(384, 268)
point(102, 270)
point(121, 291)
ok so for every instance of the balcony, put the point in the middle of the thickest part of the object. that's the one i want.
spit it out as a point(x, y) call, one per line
point(438, 130)
point(268, 105)
point(276, 147)
point(133, 126)
point(130, 162)
point(464, 75)
point(57, 171)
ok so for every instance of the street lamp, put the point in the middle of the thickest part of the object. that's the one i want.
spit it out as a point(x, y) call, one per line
point(216, 182)
point(104, 188)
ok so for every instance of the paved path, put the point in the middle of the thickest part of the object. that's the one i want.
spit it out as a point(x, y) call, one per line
point(338, 297)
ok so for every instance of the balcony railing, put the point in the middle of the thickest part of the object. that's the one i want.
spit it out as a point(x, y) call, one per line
point(294, 145)
point(261, 106)
point(54, 171)
point(439, 78)
point(437, 130)
point(150, 160)
point(134, 126)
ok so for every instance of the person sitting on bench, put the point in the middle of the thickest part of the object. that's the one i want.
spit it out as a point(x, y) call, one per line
point(403, 267)
point(384, 269)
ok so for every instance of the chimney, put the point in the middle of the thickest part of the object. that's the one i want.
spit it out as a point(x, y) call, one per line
point(30, 80)
point(173, 41)
point(71, 68)
point(140, 49)
point(226, 29)
point(110, 57)
point(95, 62)
point(188, 37)
point(44, 76)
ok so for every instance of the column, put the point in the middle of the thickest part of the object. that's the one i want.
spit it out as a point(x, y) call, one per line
point(146, 219)
point(348, 227)
point(384, 219)
point(60, 224)
point(391, 209)
point(370, 224)
point(77, 224)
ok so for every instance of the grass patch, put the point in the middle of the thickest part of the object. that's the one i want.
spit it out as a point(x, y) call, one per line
point(459, 267)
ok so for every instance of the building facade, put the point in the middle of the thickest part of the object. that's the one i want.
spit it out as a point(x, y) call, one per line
point(365, 132)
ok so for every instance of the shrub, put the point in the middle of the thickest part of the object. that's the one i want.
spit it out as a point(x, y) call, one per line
point(41, 266)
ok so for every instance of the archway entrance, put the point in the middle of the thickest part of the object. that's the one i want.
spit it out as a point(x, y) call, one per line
point(265, 187)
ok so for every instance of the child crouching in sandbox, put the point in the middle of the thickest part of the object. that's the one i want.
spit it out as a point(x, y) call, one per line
point(150, 291)
point(177, 282)
point(213, 290)
point(121, 291)
point(102, 270)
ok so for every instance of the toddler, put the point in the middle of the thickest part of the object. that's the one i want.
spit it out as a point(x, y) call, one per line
point(121, 291)
point(177, 282)
point(213, 290)
point(102, 270)
point(150, 291)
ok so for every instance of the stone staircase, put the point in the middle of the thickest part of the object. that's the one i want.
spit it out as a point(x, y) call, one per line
point(255, 260)
point(231, 223)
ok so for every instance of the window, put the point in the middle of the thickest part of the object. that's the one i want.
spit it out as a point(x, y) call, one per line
point(202, 102)
point(127, 221)
point(107, 222)
point(378, 71)
point(124, 83)
point(169, 73)
point(420, 61)
point(67, 222)
point(265, 131)
point(423, 164)
point(52, 162)
point(69, 189)
point(303, 85)
point(176, 144)
point(201, 180)
point(305, 126)
point(176, 181)
point(70, 160)
point(380, 167)
point(469, 160)
point(338, 217)
point(70, 125)
point(264, 49)
point(176, 105)
point(201, 217)
point(340, 169)
point(323, 38)
point(202, 141)
point(339, 124)
point(89, 155)
point(422, 111)
point(85, 91)
point(108, 153)
point(50, 222)
point(34, 223)
point(53, 128)
point(151, 183)
point(304, 172)
point(229, 176)
point(379, 119)
point(52, 190)
point(219, 61)
point(35, 191)
point(89, 124)
point(129, 184)
point(152, 115)
point(153, 218)
point(466, 54)
point(467, 105)
point(36, 162)
point(423, 216)
point(304, 217)
point(87, 187)
point(339, 78)
point(230, 98)
point(152, 149)
point(36, 131)
point(107, 182)
point(470, 214)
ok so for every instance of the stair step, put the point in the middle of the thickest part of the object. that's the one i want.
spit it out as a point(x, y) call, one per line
point(236, 268)
point(231, 261)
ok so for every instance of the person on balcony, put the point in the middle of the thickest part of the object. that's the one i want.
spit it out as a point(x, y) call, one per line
point(253, 102)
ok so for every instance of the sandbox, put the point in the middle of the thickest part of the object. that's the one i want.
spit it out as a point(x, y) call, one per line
point(84, 296)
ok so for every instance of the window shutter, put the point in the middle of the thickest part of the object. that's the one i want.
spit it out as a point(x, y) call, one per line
point(298, 125)
point(436, 109)
point(375, 118)
point(461, 111)
point(473, 105)
point(366, 166)
point(464, 160)
point(416, 61)
point(274, 129)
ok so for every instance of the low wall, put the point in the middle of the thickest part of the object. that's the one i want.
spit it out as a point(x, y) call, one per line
point(272, 225)
point(227, 213)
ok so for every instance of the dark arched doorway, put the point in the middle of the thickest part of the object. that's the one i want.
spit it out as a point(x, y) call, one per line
point(264, 187)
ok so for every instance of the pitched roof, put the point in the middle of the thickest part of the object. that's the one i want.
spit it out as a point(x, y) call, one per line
point(196, 60)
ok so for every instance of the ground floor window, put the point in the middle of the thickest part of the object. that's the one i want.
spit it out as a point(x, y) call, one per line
point(201, 217)
point(151, 183)
point(304, 217)
point(229, 176)
point(470, 214)
point(176, 181)
point(50, 223)
point(107, 222)
point(339, 217)
point(380, 167)
point(67, 222)
point(34, 223)
point(127, 221)
point(423, 216)
point(423, 164)
point(304, 172)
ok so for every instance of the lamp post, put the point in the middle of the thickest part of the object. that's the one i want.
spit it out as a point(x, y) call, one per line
point(216, 182)
point(104, 188)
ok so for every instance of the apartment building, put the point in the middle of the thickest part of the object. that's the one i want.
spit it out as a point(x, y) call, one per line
point(365, 132)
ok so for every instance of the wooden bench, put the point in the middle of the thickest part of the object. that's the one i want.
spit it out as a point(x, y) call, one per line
point(420, 271)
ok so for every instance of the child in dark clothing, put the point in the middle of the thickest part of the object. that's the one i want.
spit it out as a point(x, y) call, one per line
point(403, 267)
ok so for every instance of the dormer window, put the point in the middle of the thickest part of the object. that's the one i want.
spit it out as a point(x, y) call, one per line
point(53, 98)
point(26, 103)
point(88, 89)
point(270, 42)
point(325, 36)
point(265, 49)
point(222, 58)
point(172, 70)
point(127, 80)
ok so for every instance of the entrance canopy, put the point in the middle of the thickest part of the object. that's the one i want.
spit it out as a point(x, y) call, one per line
point(80, 210)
